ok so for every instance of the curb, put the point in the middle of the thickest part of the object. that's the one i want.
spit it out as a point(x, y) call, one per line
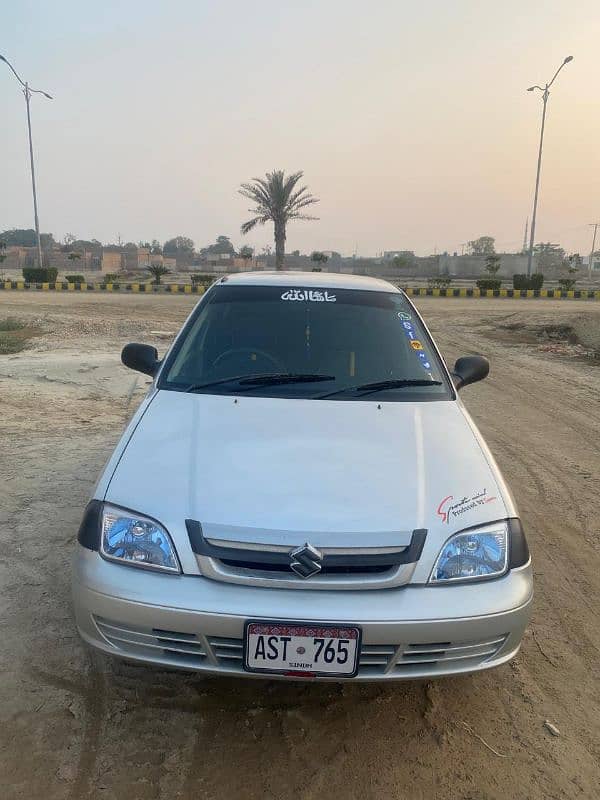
point(551, 294)
point(143, 288)
point(187, 288)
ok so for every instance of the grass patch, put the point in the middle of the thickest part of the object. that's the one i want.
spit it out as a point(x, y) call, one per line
point(14, 335)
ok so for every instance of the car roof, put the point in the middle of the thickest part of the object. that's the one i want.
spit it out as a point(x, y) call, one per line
point(321, 280)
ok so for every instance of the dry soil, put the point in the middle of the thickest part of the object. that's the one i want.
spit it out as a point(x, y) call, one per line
point(76, 725)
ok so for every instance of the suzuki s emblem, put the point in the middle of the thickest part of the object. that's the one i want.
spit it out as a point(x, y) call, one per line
point(306, 561)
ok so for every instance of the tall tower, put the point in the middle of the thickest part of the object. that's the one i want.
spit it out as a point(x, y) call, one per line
point(525, 246)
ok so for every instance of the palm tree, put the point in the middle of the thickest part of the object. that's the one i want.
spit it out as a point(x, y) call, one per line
point(276, 200)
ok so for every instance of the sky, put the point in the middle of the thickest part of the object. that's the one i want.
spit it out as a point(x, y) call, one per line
point(410, 120)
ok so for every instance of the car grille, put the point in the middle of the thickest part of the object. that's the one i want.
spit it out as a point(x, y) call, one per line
point(376, 564)
point(224, 654)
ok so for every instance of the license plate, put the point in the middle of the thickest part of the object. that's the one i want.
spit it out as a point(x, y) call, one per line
point(301, 649)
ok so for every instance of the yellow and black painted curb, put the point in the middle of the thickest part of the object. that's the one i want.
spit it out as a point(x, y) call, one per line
point(168, 288)
point(573, 294)
point(188, 288)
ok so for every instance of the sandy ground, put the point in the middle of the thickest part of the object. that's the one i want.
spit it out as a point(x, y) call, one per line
point(75, 725)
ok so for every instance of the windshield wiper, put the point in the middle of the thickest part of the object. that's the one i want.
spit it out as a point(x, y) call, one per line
point(378, 386)
point(263, 379)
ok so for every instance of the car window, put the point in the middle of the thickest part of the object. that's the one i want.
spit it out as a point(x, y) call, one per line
point(353, 336)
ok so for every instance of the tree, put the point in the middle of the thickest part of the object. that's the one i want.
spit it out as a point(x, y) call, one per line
point(157, 271)
point(277, 199)
point(246, 252)
point(318, 258)
point(155, 247)
point(178, 246)
point(222, 246)
point(2, 249)
point(400, 262)
point(484, 246)
point(571, 265)
point(549, 255)
point(492, 264)
point(296, 253)
point(26, 237)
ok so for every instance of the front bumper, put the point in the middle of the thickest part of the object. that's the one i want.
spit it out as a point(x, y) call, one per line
point(194, 623)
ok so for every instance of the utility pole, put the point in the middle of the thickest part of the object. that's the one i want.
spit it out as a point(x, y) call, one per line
point(545, 95)
point(27, 94)
point(28, 91)
point(525, 236)
point(593, 225)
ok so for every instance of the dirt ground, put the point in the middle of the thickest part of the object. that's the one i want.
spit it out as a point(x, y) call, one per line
point(75, 725)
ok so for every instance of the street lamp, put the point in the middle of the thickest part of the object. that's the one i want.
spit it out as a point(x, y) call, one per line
point(545, 94)
point(28, 91)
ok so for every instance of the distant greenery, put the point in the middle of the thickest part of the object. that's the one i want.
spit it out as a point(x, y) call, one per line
point(157, 271)
point(549, 255)
point(439, 282)
point(75, 278)
point(535, 281)
point(277, 199)
point(492, 265)
point(199, 277)
point(483, 284)
point(25, 237)
point(246, 252)
point(318, 258)
point(222, 246)
point(483, 246)
point(178, 246)
point(40, 275)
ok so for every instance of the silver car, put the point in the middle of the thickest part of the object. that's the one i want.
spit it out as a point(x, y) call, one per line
point(303, 495)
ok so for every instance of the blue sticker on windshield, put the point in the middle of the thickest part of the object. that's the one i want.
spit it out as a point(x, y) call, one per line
point(415, 344)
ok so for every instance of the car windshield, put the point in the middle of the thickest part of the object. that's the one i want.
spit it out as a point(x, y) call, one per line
point(306, 342)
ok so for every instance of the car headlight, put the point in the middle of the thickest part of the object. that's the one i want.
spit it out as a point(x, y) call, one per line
point(134, 539)
point(476, 554)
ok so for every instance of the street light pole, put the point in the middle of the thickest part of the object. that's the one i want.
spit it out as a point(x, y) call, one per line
point(27, 91)
point(545, 94)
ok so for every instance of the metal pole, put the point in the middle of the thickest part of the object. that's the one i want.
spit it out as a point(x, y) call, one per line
point(27, 94)
point(537, 184)
point(592, 250)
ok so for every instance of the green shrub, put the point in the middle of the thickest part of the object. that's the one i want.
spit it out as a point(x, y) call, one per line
point(483, 284)
point(40, 275)
point(110, 277)
point(75, 278)
point(199, 277)
point(535, 281)
point(566, 284)
point(439, 282)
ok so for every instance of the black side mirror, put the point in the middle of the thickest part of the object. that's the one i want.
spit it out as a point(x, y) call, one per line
point(470, 369)
point(141, 357)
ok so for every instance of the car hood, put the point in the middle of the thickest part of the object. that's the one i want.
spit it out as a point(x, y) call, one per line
point(304, 467)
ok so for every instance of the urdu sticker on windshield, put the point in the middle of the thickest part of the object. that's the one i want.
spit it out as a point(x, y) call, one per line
point(448, 510)
point(312, 296)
